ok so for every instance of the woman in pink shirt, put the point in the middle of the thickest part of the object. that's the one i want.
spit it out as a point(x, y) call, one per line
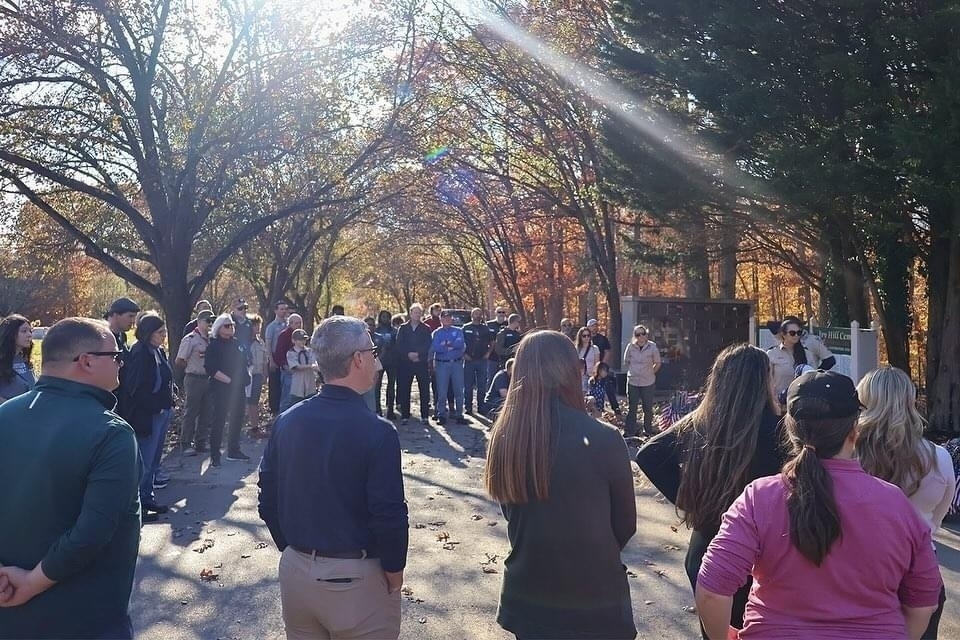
point(833, 551)
point(890, 446)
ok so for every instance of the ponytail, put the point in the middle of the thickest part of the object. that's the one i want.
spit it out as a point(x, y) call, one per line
point(814, 519)
point(811, 503)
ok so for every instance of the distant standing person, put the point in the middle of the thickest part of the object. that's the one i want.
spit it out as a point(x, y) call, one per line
point(642, 361)
point(446, 357)
point(331, 494)
point(121, 316)
point(496, 325)
point(795, 349)
point(599, 340)
point(200, 307)
point(225, 364)
point(413, 348)
point(589, 356)
point(891, 446)
point(302, 365)
point(497, 393)
point(505, 344)
point(281, 312)
point(569, 329)
point(148, 402)
point(70, 508)
point(479, 340)
point(198, 409)
point(385, 337)
point(565, 486)
point(16, 350)
point(284, 342)
point(337, 310)
point(259, 372)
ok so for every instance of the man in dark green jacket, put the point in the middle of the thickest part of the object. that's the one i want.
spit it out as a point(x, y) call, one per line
point(69, 507)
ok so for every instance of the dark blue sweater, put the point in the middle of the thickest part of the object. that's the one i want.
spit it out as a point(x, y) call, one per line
point(330, 479)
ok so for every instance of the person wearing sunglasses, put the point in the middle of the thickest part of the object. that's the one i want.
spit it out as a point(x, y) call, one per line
point(642, 361)
point(796, 351)
point(226, 365)
point(331, 494)
point(70, 509)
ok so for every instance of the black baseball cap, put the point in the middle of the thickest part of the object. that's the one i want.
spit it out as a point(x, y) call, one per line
point(207, 315)
point(299, 334)
point(446, 313)
point(820, 395)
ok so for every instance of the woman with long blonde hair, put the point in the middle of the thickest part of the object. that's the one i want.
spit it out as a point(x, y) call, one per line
point(891, 446)
point(566, 489)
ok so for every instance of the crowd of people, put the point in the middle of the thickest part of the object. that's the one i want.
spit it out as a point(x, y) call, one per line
point(782, 488)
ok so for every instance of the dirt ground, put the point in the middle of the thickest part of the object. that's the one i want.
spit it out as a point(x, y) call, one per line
point(457, 545)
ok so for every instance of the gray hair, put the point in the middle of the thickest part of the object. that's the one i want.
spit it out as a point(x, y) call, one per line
point(335, 341)
point(222, 319)
point(70, 337)
point(415, 305)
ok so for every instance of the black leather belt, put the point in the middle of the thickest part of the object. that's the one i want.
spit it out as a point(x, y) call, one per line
point(340, 555)
point(457, 360)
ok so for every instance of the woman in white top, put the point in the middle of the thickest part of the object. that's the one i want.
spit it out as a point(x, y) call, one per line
point(890, 446)
point(589, 356)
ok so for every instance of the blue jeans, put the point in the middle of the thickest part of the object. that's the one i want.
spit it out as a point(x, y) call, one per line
point(286, 379)
point(475, 377)
point(151, 449)
point(449, 375)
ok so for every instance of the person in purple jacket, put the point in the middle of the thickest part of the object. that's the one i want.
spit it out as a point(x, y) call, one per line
point(833, 552)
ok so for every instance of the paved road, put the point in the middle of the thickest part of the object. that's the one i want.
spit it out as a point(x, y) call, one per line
point(456, 533)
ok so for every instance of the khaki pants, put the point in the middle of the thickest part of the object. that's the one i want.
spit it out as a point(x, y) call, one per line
point(357, 605)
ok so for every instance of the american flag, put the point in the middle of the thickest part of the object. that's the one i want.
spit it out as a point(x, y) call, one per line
point(680, 404)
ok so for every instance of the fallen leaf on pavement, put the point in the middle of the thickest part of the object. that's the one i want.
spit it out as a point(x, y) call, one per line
point(489, 569)
point(406, 590)
point(437, 523)
point(207, 575)
point(208, 543)
point(476, 516)
point(662, 573)
point(673, 528)
point(443, 536)
point(491, 558)
point(183, 602)
point(419, 525)
point(632, 575)
point(422, 620)
point(232, 533)
point(648, 602)
point(450, 546)
point(245, 555)
point(262, 545)
point(491, 524)
point(689, 609)
point(219, 565)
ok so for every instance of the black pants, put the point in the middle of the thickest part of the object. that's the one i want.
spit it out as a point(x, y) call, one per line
point(391, 375)
point(119, 630)
point(934, 626)
point(229, 404)
point(645, 396)
point(695, 551)
point(406, 372)
point(273, 390)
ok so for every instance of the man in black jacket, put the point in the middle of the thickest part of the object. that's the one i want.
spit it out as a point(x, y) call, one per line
point(413, 345)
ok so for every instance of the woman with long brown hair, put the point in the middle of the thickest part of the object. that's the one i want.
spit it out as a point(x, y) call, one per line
point(565, 487)
point(833, 551)
point(890, 446)
point(703, 462)
point(16, 348)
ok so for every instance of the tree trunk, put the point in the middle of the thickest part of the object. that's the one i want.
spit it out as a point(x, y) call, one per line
point(943, 329)
point(729, 241)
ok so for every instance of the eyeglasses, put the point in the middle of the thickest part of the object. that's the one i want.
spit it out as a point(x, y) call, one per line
point(584, 335)
point(374, 350)
point(641, 333)
point(117, 355)
point(793, 333)
point(501, 313)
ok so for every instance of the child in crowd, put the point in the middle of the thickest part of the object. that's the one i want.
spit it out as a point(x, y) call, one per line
point(303, 368)
point(602, 387)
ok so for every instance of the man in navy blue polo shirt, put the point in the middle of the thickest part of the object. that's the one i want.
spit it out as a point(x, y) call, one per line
point(331, 493)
